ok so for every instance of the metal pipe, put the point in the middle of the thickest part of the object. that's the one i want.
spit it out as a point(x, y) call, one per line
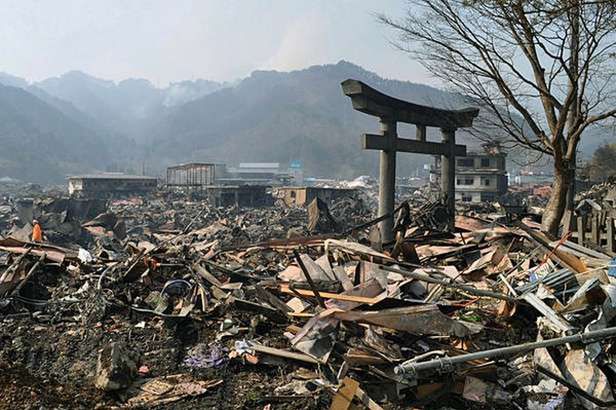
point(447, 363)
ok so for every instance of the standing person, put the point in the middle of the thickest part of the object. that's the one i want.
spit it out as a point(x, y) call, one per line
point(37, 231)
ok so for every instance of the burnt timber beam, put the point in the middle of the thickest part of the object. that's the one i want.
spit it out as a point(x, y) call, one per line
point(370, 101)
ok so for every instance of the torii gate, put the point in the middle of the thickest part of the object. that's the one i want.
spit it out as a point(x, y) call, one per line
point(391, 111)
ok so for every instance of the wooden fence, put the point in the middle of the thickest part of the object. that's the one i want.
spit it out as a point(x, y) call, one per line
point(595, 230)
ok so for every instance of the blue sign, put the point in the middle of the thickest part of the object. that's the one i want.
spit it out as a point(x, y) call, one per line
point(295, 164)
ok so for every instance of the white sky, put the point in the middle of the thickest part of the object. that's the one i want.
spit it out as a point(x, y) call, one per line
point(173, 40)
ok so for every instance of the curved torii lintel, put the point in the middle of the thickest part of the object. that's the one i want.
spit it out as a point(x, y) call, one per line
point(370, 101)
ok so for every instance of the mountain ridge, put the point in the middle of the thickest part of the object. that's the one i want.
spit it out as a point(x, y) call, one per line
point(269, 116)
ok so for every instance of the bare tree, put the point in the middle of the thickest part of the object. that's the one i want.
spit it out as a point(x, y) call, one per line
point(544, 70)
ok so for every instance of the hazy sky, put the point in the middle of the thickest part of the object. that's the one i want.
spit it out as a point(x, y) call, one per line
point(172, 40)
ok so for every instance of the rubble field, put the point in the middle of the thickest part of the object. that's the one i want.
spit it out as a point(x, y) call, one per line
point(164, 301)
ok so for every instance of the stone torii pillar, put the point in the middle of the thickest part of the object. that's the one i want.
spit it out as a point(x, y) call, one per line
point(390, 111)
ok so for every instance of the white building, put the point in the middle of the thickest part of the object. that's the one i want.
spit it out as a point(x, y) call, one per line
point(479, 176)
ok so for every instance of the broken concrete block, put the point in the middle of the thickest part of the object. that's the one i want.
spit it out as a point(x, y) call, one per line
point(116, 367)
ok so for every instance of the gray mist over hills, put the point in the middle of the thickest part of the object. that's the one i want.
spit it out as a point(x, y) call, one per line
point(78, 123)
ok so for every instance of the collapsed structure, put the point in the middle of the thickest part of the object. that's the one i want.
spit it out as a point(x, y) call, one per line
point(302, 196)
point(159, 300)
point(194, 175)
point(110, 184)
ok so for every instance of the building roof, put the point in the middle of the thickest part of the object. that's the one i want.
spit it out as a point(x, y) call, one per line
point(295, 188)
point(112, 175)
point(189, 165)
point(481, 171)
point(259, 165)
point(484, 154)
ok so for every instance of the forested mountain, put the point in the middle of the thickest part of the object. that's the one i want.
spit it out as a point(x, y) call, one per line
point(282, 116)
point(40, 143)
point(77, 122)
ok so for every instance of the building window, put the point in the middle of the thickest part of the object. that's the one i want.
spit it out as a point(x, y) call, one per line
point(466, 162)
point(464, 181)
point(486, 182)
point(485, 162)
point(488, 196)
point(467, 197)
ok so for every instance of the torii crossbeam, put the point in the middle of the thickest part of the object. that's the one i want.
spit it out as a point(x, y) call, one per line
point(390, 111)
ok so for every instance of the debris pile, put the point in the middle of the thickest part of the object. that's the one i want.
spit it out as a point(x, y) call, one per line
point(159, 301)
point(598, 191)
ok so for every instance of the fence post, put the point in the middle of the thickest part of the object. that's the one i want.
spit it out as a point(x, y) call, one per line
point(610, 234)
point(595, 235)
point(581, 226)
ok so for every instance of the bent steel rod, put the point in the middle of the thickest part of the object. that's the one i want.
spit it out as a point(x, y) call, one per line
point(413, 368)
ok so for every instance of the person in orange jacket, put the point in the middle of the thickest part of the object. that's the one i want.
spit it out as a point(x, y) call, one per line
point(37, 232)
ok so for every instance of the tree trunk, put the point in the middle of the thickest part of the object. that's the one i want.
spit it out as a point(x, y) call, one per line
point(555, 208)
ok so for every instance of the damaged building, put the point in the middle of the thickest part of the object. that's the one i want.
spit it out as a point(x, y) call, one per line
point(262, 173)
point(302, 196)
point(243, 196)
point(110, 185)
point(479, 176)
point(161, 301)
point(194, 175)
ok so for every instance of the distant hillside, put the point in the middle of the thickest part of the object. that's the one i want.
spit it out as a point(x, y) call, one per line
point(76, 123)
point(40, 143)
point(276, 116)
point(126, 107)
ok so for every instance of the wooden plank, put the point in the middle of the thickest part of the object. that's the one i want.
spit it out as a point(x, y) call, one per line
point(594, 235)
point(284, 288)
point(581, 226)
point(610, 234)
point(283, 353)
point(379, 142)
point(366, 401)
point(563, 258)
point(343, 398)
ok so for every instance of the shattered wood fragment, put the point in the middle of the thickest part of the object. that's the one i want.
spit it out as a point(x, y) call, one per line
point(284, 288)
point(205, 274)
point(358, 357)
point(304, 269)
point(28, 275)
point(419, 320)
point(266, 311)
point(344, 397)
point(267, 297)
point(283, 353)
point(317, 337)
point(580, 371)
point(561, 324)
point(168, 389)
